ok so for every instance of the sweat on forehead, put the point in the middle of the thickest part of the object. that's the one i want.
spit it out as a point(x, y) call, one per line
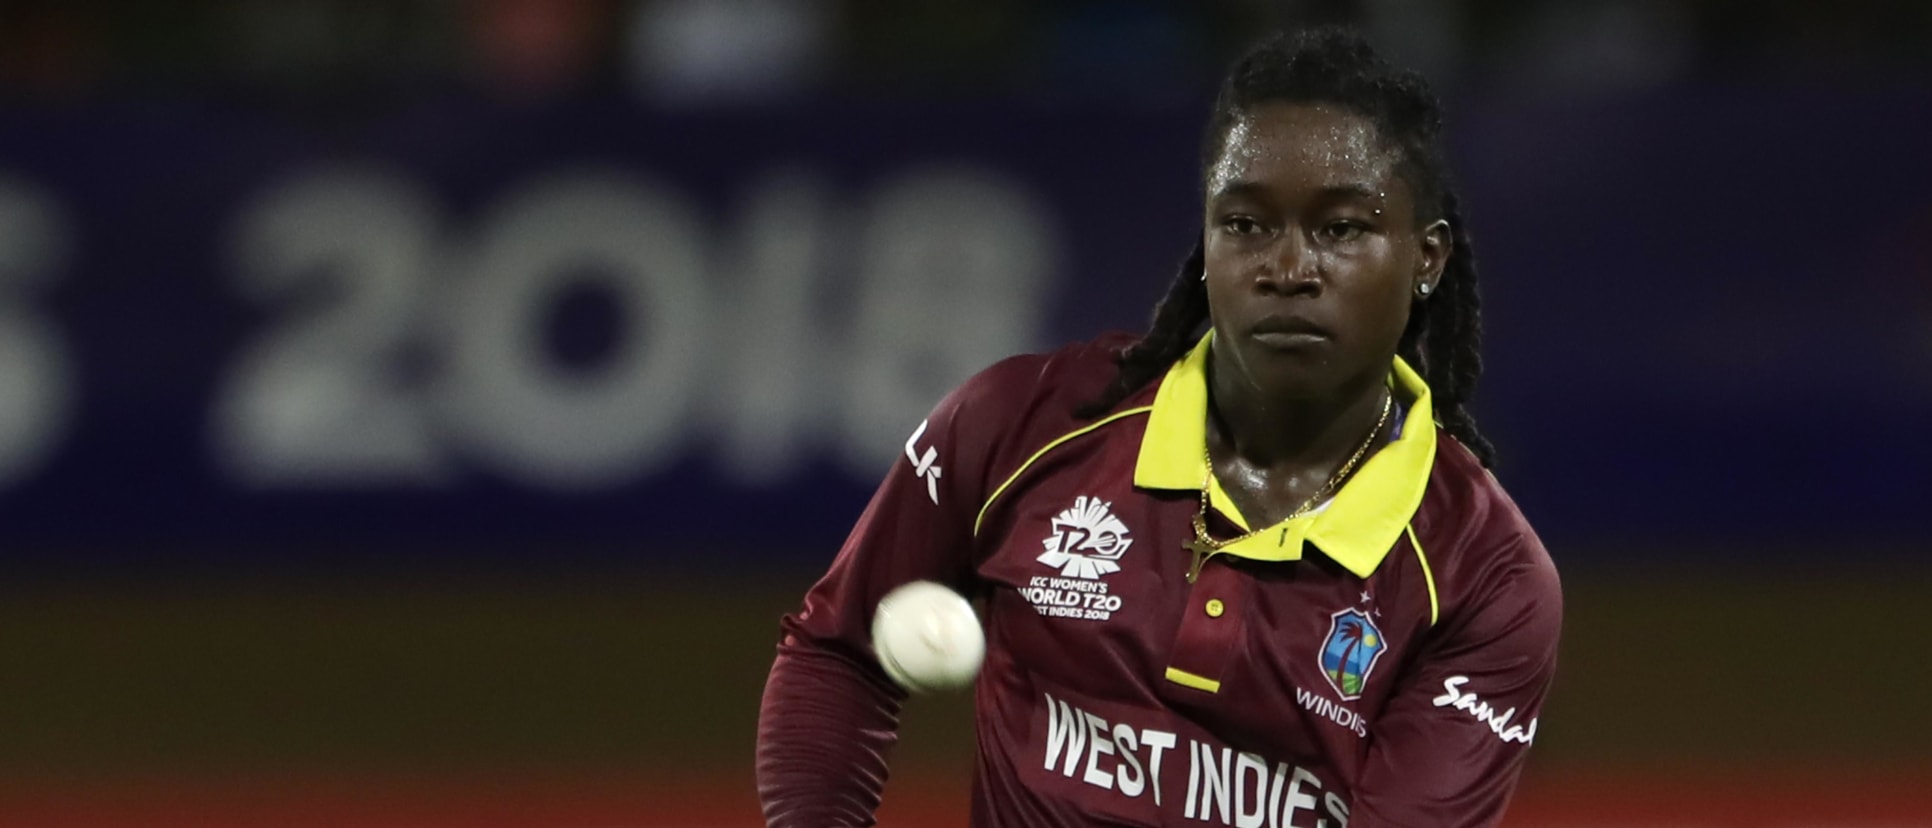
point(1318, 140)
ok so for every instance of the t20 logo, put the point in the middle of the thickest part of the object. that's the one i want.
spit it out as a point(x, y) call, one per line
point(1087, 540)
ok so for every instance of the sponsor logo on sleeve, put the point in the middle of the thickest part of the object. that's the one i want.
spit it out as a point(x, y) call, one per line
point(922, 464)
point(1498, 722)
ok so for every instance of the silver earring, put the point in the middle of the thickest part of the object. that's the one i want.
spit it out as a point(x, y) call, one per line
point(1204, 275)
point(1422, 290)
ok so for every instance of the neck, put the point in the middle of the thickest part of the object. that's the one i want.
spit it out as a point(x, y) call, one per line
point(1283, 432)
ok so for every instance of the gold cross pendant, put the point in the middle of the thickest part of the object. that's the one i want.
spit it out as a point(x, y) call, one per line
point(1202, 548)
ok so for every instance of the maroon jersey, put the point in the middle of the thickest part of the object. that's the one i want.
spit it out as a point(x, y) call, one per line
point(1379, 661)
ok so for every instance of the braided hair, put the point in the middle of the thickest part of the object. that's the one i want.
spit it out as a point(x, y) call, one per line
point(1443, 340)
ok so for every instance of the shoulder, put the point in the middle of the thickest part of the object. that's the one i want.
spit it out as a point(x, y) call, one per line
point(1482, 547)
point(1042, 386)
point(990, 422)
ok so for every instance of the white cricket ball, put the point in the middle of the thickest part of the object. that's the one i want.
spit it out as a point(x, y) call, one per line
point(927, 637)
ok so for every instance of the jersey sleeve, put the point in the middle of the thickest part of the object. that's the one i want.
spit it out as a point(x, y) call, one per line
point(1449, 747)
point(830, 714)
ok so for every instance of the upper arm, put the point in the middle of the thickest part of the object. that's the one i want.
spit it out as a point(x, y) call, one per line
point(918, 525)
point(1449, 746)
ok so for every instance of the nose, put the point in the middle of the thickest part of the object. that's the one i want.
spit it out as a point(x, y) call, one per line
point(1293, 266)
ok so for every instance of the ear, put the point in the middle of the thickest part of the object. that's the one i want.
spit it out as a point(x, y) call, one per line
point(1438, 244)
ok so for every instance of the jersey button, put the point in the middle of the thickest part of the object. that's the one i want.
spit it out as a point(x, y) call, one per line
point(1215, 608)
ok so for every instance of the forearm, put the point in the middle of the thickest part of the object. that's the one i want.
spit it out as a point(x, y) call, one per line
point(824, 729)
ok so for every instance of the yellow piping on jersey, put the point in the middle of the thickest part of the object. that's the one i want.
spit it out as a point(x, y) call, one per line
point(1187, 679)
point(1043, 450)
point(1427, 576)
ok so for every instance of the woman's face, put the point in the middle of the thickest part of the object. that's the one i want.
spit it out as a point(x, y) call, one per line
point(1313, 250)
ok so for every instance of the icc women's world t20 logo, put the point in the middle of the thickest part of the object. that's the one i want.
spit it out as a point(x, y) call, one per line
point(1349, 653)
point(1087, 540)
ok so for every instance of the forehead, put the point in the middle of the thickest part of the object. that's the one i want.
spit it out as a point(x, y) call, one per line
point(1319, 145)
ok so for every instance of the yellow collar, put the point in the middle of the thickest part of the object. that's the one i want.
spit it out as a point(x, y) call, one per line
point(1359, 525)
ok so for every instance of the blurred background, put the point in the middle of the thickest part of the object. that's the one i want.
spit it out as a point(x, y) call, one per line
point(419, 413)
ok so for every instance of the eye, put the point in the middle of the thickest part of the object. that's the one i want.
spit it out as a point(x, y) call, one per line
point(1241, 226)
point(1343, 231)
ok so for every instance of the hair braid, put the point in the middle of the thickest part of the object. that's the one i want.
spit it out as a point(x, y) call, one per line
point(1445, 338)
point(1176, 318)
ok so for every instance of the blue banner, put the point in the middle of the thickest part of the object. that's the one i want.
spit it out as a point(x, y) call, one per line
point(465, 329)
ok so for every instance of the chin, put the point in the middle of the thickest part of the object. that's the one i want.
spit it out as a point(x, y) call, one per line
point(1291, 375)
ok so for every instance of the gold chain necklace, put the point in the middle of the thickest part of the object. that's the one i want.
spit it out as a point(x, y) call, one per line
point(1202, 545)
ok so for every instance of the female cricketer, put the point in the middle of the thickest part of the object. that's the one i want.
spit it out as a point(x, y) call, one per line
point(1246, 569)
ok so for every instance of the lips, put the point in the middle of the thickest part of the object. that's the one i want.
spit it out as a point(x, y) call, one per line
point(1287, 330)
